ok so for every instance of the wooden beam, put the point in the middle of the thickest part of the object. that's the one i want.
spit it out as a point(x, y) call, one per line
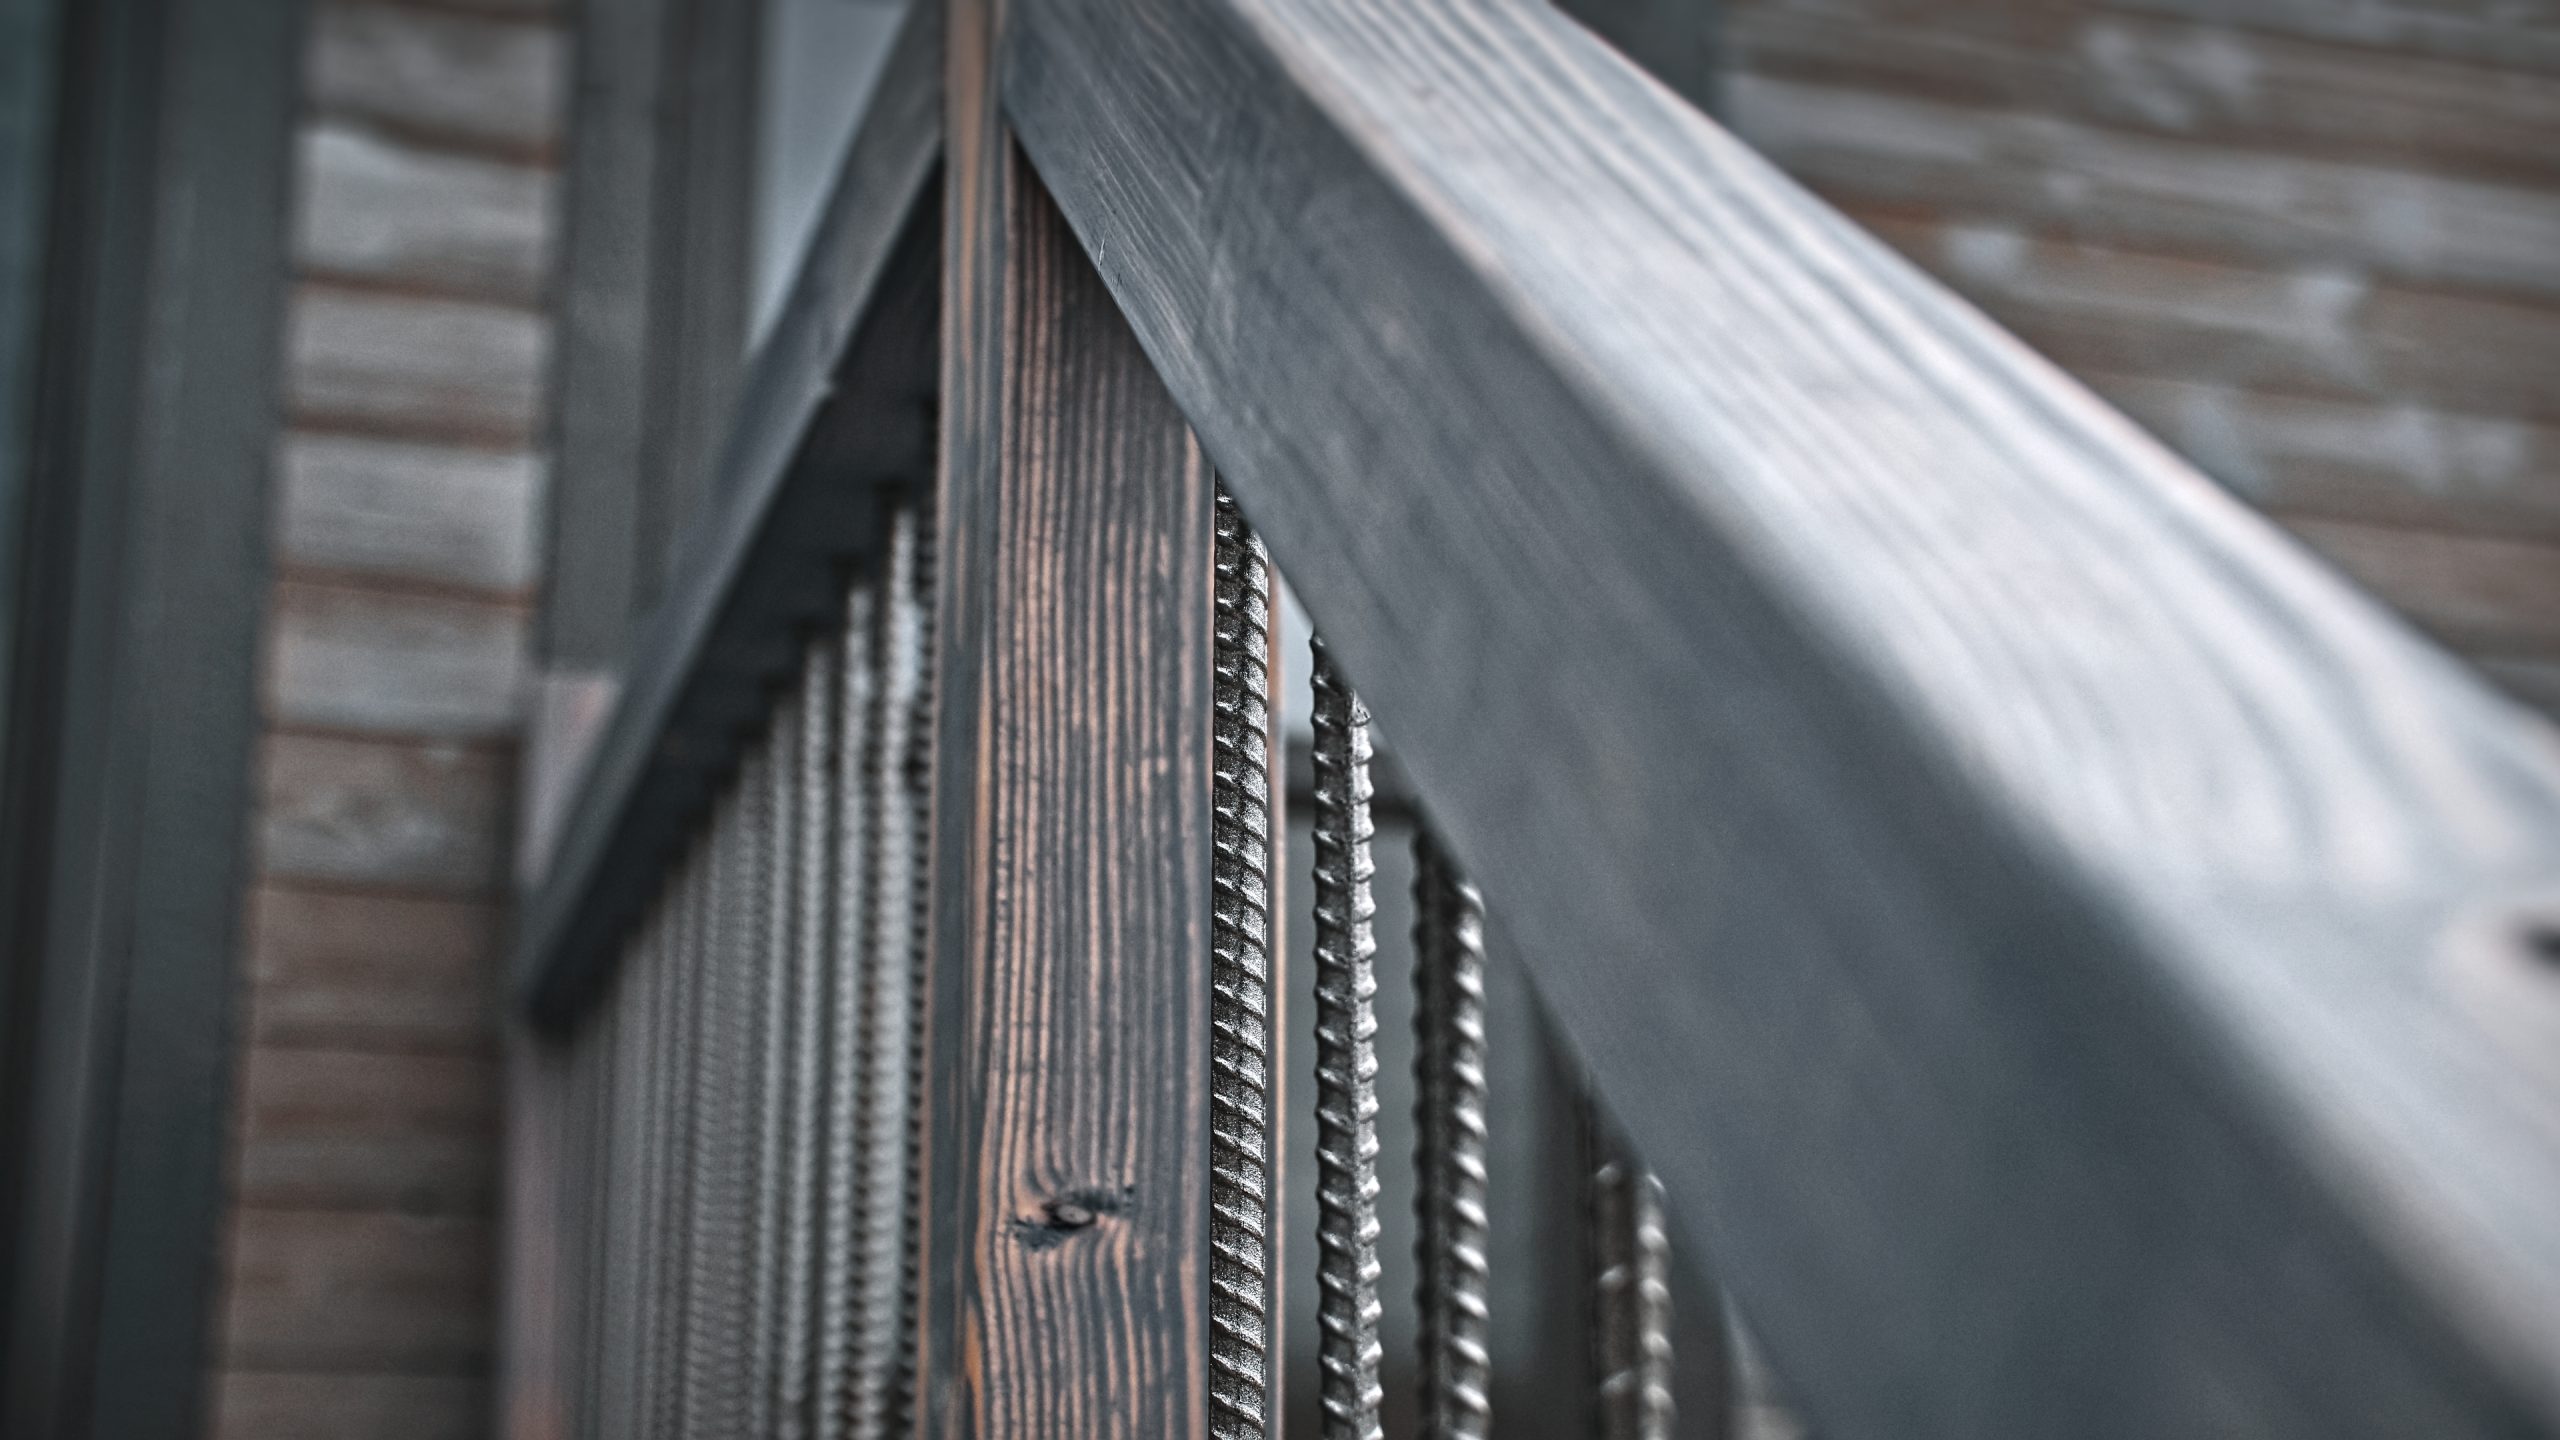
point(1067, 1261)
point(2079, 967)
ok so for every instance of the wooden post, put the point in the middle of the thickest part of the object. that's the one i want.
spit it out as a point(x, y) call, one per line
point(1067, 1264)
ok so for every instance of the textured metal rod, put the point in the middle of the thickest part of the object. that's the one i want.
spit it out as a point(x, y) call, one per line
point(796, 1225)
point(878, 1402)
point(744, 949)
point(769, 898)
point(674, 1242)
point(1449, 1147)
point(856, 712)
point(1631, 1291)
point(696, 1275)
point(1347, 1270)
point(1240, 1167)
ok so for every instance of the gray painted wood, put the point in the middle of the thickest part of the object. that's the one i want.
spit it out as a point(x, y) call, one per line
point(347, 657)
point(440, 77)
point(376, 210)
point(409, 367)
point(2064, 951)
point(417, 815)
point(132, 713)
point(441, 514)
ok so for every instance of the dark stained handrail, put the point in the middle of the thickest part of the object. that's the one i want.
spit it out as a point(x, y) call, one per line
point(2072, 958)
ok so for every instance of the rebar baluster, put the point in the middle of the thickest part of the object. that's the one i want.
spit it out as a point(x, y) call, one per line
point(805, 968)
point(1240, 990)
point(706, 1099)
point(1449, 1147)
point(674, 1243)
point(768, 898)
point(1630, 1247)
point(893, 910)
point(1346, 1062)
point(839, 1256)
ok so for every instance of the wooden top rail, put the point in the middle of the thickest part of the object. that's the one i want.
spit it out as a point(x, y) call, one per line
point(2081, 968)
point(836, 405)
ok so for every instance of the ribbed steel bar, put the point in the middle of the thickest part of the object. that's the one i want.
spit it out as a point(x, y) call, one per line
point(810, 813)
point(1240, 1171)
point(745, 960)
point(856, 718)
point(707, 1161)
point(627, 1185)
point(1449, 1147)
point(1630, 1247)
point(878, 1402)
point(1346, 992)
point(768, 904)
point(674, 1243)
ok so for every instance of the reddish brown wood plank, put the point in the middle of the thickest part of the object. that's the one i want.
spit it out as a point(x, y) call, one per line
point(353, 969)
point(354, 657)
point(351, 1130)
point(257, 1405)
point(1067, 1259)
point(323, 1290)
point(415, 815)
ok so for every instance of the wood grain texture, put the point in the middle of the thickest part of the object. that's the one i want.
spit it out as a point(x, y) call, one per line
point(1066, 1258)
point(414, 368)
point(2058, 944)
point(2084, 180)
point(379, 211)
point(352, 657)
point(2318, 328)
point(355, 969)
point(2204, 80)
point(423, 815)
point(265, 1405)
point(360, 1130)
point(444, 79)
point(355, 1291)
point(2405, 465)
point(441, 514)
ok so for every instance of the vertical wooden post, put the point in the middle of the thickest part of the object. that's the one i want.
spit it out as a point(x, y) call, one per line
point(1066, 1258)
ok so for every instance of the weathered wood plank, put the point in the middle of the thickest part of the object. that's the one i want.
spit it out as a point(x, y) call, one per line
point(348, 657)
point(429, 815)
point(441, 78)
point(2401, 465)
point(2115, 187)
point(1067, 1263)
point(352, 969)
point(2474, 592)
point(2316, 328)
point(364, 1130)
point(412, 512)
point(2211, 83)
point(336, 1290)
point(257, 1405)
point(1987, 872)
point(376, 210)
point(416, 368)
point(2485, 31)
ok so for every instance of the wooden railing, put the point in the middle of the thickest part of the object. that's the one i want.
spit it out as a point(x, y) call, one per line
point(2077, 967)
